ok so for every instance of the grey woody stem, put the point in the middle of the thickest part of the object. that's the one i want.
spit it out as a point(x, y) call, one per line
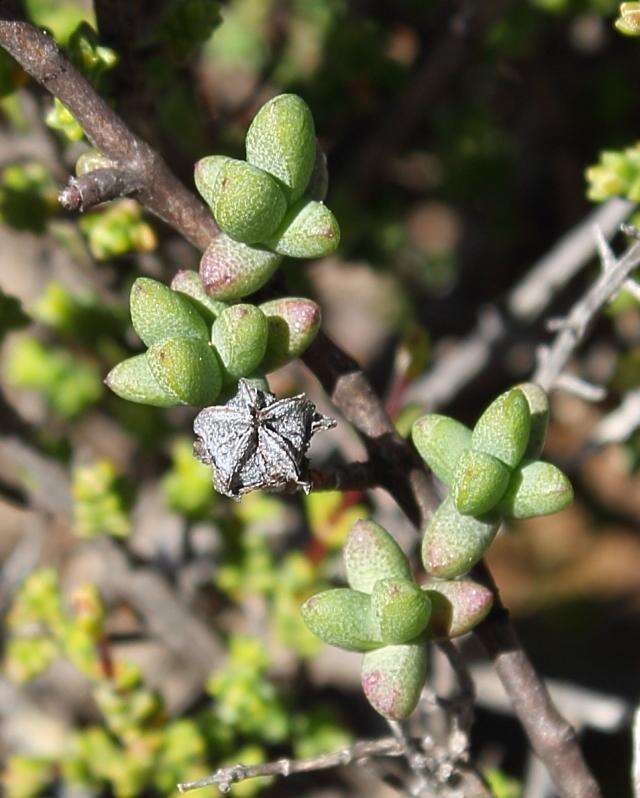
point(394, 463)
point(82, 193)
point(223, 778)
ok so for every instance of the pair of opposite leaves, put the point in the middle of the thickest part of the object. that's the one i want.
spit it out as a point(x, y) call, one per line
point(269, 205)
point(200, 347)
point(493, 473)
point(388, 617)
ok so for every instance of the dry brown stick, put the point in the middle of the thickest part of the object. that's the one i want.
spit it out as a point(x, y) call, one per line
point(223, 778)
point(394, 461)
point(161, 192)
point(352, 476)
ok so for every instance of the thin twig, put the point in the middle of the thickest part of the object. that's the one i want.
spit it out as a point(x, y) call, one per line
point(618, 425)
point(352, 476)
point(223, 778)
point(161, 192)
point(464, 361)
point(101, 185)
point(554, 359)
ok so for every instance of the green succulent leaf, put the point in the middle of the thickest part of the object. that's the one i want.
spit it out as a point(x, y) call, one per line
point(231, 270)
point(440, 442)
point(453, 543)
point(188, 369)
point(503, 429)
point(293, 323)
point(248, 203)
point(400, 610)
point(370, 554)
point(239, 335)
point(342, 618)
point(536, 488)
point(538, 402)
point(393, 678)
point(158, 313)
point(457, 606)
point(189, 284)
point(132, 380)
point(282, 141)
point(309, 230)
point(480, 482)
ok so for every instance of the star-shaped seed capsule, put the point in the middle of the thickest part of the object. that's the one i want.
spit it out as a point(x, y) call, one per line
point(258, 442)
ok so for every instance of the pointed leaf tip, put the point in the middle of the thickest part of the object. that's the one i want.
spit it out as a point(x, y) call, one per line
point(393, 678)
point(341, 618)
point(370, 554)
point(440, 442)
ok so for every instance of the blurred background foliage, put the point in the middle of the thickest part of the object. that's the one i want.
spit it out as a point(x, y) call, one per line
point(448, 185)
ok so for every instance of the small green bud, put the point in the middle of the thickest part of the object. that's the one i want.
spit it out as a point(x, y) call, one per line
point(453, 543)
point(393, 678)
point(457, 606)
point(188, 369)
point(309, 230)
point(205, 175)
point(239, 335)
point(282, 141)
point(132, 380)
point(629, 20)
point(248, 204)
point(293, 324)
point(231, 270)
point(440, 442)
point(370, 554)
point(189, 284)
point(90, 161)
point(537, 488)
point(158, 313)
point(342, 618)
point(400, 610)
point(503, 429)
point(480, 482)
point(538, 402)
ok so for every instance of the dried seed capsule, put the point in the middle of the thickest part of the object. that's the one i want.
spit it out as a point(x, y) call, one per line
point(539, 411)
point(205, 175)
point(457, 606)
point(393, 678)
point(158, 313)
point(453, 543)
point(480, 482)
point(239, 335)
point(400, 610)
point(370, 554)
point(187, 368)
point(503, 429)
point(293, 323)
point(342, 618)
point(231, 270)
point(189, 284)
point(537, 488)
point(132, 380)
point(308, 230)
point(248, 204)
point(440, 442)
point(282, 141)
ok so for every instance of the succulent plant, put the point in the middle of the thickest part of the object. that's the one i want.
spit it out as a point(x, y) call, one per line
point(492, 473)
point(389, 618)
point(198, 347)
point(268, 206)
